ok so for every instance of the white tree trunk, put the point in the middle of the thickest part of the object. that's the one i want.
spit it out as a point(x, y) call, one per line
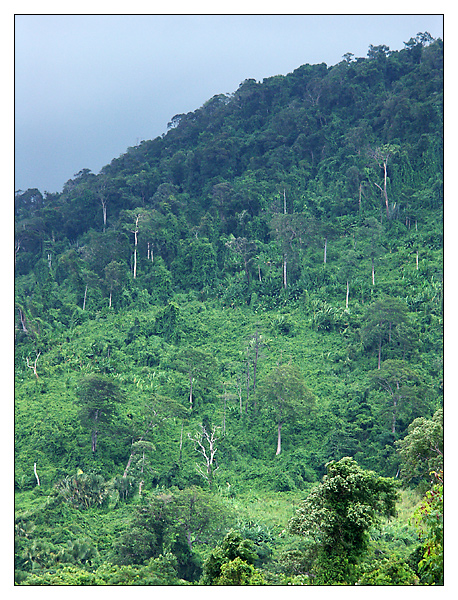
point(94, 440)
point(34, 366)
point(23, 321)
point(128, 464)
point(190, 389)
point(348, 293)
point(284, 271)
point(84, 301)
point(208, 453)
point(135, 232)
point(36, 474)
point(384, 187)
point(278, 440)
point(284, 258)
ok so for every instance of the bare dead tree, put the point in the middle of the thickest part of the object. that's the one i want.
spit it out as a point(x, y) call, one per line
point(205, 444)
point(36, 474)
point(381, 156)
point(17, 247)
point(23, 321)
point(85, 295)
point(135, 232)
point(34, 366)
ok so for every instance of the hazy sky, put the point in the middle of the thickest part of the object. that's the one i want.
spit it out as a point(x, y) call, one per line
point(89, 86)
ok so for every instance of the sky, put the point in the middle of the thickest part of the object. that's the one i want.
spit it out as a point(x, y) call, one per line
point(87, 87)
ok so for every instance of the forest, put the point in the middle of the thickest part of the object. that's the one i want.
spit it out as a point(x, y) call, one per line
point(229, 342)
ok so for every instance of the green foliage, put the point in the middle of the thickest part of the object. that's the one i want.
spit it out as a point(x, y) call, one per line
point(285, 395)
point(173, 522)
point(402, 388)
point(390, 571)
point(83, 489)
point(422, 449)
point(239, 572)
point(306, 209)
point(158, 282)
point(338, 514)
point(98, 396)
point(158, 571)
point(231, 563)
point(429, 519)
point(383, 323)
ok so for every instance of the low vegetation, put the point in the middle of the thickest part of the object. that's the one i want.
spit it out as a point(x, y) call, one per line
point(228, 343)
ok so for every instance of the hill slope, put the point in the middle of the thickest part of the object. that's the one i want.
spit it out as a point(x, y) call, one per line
point(269, 270)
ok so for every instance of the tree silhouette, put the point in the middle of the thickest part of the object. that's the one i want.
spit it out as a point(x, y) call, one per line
point(285, 395)
point(381, 320)
point(97, 396)
point(338, 513)
point(401, 383)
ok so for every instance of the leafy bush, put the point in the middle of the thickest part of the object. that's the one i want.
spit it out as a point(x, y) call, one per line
point(231, 561)
point(429, 518)
point(83, 490)
point(389, 571)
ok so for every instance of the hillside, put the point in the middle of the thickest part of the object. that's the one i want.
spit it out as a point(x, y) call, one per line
point(221, 312)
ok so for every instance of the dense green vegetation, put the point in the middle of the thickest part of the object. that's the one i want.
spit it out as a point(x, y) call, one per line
point(228, 365)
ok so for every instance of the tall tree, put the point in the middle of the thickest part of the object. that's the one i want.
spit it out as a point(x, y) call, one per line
point(381, 321)
point(381, 156)
point(349, 263)
point(115, 276)
point(402, 386)
point(132, 221)
point(338, 514)
point(173, 521)
point(286, 396)
point(293, 233)
point(197, 364)
point(422, 449)
point(103, 195)
point(155, 412)
point(97, 395)
point(205, 444)
point(255, 346)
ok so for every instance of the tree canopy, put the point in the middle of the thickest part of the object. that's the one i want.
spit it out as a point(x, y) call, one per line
point(338, 513)
point(234, 316)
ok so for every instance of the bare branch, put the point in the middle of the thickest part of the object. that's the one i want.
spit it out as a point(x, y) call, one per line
point(34, 366)
point(205, 444)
